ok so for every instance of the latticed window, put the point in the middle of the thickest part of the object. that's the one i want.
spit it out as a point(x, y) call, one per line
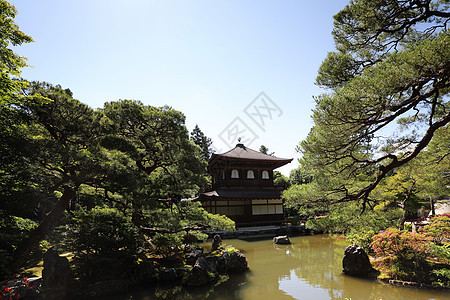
point(234, 174)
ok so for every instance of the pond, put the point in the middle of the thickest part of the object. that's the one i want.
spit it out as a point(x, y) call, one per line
point(310, 268)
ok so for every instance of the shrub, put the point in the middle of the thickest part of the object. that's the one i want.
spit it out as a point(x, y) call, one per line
point(293, 220)
point(104, 242)
point(438, 229)
point(13, 230)
point(103, 231)
point(441, 253)
point(442, 277)
point(400, 243)
point(361, 238)
point(407, 253)
point(346, 218)
point(166, 243)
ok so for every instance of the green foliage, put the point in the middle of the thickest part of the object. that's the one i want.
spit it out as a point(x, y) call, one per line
point(180, 221)
point(10, 62)
point(166, 243)
point(104, 232)
point(292, 218)
point(187, 214)
point(219, 222)
point(442, 277)
point(265, 150)
point(383, 106)
point(156, 139)
point(104, 242)
point(280, 180)
point(201, 140)
point(412, 268)
point(297, 204)
point(438, 229)
point(347, 218)
point(442, 253)
point(196, 214)
point(406, 252)
point(358, 228)
point(230, 249)
point(300, 176)
point(57, 148)
point(413, 256)
point(401, 244)
point(361, 238)
point(12, 231)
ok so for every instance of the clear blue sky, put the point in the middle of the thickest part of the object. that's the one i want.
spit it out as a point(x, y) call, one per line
point(208, 59)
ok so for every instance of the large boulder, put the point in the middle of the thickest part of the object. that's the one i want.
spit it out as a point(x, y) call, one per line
point(356, 262)
point(281, 240)
point(193, 256)
point(202, 273)
point(56, 276)
point(236, 262)
point(220, 263)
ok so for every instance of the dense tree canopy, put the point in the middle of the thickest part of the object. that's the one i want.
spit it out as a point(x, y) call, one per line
point(61, 155)
point(388, 84)
point(10, 62)
point(62, 161)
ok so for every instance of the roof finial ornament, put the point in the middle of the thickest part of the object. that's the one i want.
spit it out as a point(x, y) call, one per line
point(239, 139)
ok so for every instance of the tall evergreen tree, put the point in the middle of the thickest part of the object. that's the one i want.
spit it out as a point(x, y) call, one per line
point(388, 84)
point(201, 140)
point(10, 62)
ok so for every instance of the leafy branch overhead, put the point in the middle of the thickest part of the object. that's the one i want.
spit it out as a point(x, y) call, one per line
point(388, 84)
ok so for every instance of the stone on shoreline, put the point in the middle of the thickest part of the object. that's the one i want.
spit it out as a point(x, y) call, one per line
point(356, 262)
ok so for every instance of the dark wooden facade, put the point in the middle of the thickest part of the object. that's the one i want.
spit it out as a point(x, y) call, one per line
point(243, 188)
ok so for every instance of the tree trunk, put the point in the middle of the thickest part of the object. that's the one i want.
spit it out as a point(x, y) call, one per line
point(433, 212)
point(50, 219)
point(401, 222)
point(409, 192)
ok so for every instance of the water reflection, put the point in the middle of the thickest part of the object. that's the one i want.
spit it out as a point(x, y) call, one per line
point(310, 268)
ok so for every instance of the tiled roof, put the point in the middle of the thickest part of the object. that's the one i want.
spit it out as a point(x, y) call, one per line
point(242, 152)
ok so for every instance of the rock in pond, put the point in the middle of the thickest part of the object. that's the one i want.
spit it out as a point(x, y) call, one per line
point(356, 262)
point(202, 273)
point(236, 262)
point(218, 262)
point(281, 240)
point(193, 256)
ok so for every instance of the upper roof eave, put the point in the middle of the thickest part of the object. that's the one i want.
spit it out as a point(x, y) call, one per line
point(242, 153)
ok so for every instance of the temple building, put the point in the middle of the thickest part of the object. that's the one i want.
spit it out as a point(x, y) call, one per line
point(243, 187)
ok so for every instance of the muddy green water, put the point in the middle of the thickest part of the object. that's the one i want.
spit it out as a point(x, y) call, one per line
point(310, 268)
